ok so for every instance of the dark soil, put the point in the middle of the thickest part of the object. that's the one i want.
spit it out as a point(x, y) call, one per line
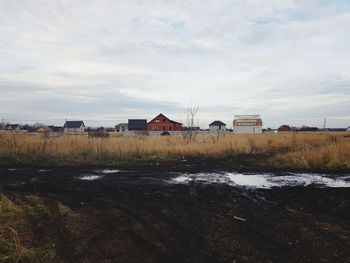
point(136, 216)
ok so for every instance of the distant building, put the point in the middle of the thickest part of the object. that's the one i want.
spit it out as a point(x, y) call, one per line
point(121, 127)
point(137, 125)
point(56, 128)
point(110, 129)
point(163, 123)
point(308, 129)
point(43, 129)
point(247, 124)
point(284, 128)
point(196, 128)
point(269, 130)
point(348, 129)
point(74, 126)
point(217, 126)
point(12, 127)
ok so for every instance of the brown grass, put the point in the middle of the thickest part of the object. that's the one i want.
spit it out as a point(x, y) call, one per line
point(288, 150)
point(16, 235)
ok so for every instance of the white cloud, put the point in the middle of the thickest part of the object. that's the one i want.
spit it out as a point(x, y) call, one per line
point(288, 60)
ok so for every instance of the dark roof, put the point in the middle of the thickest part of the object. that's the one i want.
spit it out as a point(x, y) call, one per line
point(163, 116)
point(120, 125)
point(137, 124)
point(217, 123)
point(73, 124)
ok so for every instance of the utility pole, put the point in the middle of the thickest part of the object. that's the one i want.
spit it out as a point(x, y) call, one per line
point(3, 124)
point(324, 123)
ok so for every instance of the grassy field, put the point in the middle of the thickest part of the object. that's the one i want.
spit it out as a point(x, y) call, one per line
point(283, 150)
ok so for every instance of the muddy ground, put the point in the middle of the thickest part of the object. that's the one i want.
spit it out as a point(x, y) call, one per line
point(139, 216)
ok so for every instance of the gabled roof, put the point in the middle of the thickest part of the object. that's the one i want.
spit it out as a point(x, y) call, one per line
point(284, 127)
point(73, 124)
point(217, 123)
point(163, 116)
point(44, 128)
point(137, 124)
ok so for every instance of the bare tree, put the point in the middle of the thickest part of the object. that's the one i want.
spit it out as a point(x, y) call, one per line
point(191, 122)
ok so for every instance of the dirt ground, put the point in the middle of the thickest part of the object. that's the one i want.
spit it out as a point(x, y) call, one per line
point(138, 216)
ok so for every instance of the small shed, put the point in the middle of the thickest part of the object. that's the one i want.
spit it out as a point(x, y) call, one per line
point(217, 126)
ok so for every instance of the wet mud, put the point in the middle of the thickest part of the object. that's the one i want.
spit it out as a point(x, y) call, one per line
point(144, 215)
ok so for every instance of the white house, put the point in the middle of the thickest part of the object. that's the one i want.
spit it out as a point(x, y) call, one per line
point(348, 129)
point(247, 124)
point(121, 127)
point(74, 126)
point(217, 126)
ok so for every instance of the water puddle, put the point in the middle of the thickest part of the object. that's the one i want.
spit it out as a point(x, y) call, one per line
point(108, 171)
point(264, 181)
point(90, 177)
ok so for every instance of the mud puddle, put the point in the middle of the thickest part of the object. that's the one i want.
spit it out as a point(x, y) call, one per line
point(264, 181)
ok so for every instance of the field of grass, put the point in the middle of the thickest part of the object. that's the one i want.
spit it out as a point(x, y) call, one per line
point(284, 150)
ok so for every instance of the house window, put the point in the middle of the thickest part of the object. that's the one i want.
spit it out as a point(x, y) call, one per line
point(154, 128)
point(157, 120)
point(170, 128)
point(163, 128)
point(164, 120)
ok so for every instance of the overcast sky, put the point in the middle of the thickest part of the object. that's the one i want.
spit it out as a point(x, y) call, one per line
point(109, 60)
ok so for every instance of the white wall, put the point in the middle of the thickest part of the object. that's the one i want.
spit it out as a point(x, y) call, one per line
point(216, 128)
point(74, 129)
point(247, 129)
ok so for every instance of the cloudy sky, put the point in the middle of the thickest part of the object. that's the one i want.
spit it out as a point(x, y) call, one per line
point(109, 60)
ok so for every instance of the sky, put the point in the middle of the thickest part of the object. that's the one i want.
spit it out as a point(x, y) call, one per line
point(110, 60)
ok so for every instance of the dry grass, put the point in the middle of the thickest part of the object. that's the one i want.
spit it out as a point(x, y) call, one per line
point(300, 150)
point(16, 235)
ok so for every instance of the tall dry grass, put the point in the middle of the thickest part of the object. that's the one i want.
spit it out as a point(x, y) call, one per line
point(301, 150)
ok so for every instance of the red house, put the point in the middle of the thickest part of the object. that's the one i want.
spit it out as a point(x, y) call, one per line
point(284, 128)
point(162, 123)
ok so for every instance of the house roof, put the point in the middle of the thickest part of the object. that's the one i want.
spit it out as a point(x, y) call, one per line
point(284, 127)
point(162, 115)
point(217, 123)
point(121, 124)
point(137, 124)
point(44, 128)
point(73, 124)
